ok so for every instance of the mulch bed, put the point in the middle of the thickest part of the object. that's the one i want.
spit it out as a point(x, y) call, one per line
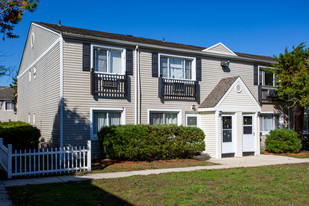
point(300, 153)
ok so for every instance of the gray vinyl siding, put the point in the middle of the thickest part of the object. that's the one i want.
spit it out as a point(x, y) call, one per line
point(240, 100)
point(219, 48)
point(78, 101)
point(212, 73)
point(43, 40)
point(41, 96)
point(6, 115)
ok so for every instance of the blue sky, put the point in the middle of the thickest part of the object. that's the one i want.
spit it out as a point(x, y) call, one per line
point(254, 27)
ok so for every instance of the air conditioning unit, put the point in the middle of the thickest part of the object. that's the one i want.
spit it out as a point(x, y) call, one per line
point(271, 93)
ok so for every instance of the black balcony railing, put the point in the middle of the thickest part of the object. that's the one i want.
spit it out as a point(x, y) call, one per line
point(268, 93)
point(178, 89)
point(109, 85)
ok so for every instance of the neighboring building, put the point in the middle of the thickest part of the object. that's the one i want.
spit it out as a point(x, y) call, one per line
point(73, 81)
point(7, 107)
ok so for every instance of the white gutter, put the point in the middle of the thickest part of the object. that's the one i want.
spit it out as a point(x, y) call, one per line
point(209, 54)
point(135, 89)
point(61, 92)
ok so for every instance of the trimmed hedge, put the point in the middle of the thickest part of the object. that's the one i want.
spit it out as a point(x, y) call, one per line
point(283, 140)
point(150, 142)
point(20, 134)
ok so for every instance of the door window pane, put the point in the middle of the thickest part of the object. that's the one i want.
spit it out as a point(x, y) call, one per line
point(227, 122)
point(247, 129)
point(227, 135)
point(100, 60)
point(188, 69)
point(163, 67)
point(115, 61)
point(247, 120)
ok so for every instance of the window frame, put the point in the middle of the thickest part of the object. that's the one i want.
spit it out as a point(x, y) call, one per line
point(193, 65)
point(122, 118)
point(123, 57)
point(8, 101)
point(178, 111)
point(266, 132)
point(197, 119)
point(262, 81)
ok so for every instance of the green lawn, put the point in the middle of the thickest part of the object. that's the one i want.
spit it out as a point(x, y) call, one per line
point(272, 185)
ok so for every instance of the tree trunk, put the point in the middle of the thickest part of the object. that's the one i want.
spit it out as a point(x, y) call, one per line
point(300, 119)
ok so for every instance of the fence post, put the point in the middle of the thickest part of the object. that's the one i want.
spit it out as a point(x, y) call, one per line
point(10, 161)
point(89, 155)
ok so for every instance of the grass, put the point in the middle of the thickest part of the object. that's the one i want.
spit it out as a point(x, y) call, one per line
point(299, 156)
point(272, 185)
point(124, 166)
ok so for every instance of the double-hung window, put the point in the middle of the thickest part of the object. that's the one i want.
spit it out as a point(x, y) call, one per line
point(269, 122)
point(267, 78)
point(9, 106)
point(176, 67)
point(156, 117)
point(108, 60)
point(103, 118)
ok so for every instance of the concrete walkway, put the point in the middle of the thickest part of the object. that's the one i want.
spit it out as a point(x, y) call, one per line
point(250, 161)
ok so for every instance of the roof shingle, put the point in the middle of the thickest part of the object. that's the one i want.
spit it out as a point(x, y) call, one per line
point(6, 93)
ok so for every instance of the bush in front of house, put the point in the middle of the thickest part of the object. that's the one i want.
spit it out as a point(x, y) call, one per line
point(20, 134)
point(283, 140)
point(150, 142)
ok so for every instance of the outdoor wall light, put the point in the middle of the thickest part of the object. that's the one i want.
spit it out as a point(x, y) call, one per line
point(220, 113)
point(193, 107)
point(225, 64)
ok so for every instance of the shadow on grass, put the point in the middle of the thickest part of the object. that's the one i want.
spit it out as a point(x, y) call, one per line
point(70, 193)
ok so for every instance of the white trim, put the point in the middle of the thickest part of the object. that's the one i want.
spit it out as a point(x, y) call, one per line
point(218, 155)
point(193, 115)
point(178, 111)
point(210, 49)
point(261, 81)
point(42, 55)
point(237, 109)
point(42, 27)
point(253, 115)
point(61, 92)
point(193, 65)
point(135, 86)
point(8, 101)
point(123, 57)
point(92, 109)
point(234, 132)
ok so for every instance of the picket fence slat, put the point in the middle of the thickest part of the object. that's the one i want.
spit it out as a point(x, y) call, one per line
point(45, 161)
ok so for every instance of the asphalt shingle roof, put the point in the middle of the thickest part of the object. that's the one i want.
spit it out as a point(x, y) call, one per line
point(6, 93)
point(218, 92)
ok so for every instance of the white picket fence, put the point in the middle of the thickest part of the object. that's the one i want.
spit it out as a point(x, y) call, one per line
point(45, 161)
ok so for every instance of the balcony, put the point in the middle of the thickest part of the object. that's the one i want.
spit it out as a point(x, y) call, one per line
point(178, 89)
point(268, 93)
point(109, 85)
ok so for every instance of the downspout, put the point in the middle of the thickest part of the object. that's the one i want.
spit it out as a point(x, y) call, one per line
point(135, 88)
point(61, 92)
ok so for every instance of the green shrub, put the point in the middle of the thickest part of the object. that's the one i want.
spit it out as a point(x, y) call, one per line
point(283, 140)
point(150, 142)
point(20, 134)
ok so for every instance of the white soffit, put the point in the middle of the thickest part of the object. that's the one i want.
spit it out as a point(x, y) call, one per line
point(220, 49)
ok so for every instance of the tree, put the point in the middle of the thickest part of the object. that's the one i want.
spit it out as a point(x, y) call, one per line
point(11, 12)
point(292, 75)
point(14, 86)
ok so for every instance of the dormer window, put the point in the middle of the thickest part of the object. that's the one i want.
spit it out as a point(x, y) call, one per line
point(174, 67)
point(108, 60)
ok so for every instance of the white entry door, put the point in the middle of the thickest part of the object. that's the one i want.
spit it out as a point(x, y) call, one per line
point(228, 139)
point(248, 134)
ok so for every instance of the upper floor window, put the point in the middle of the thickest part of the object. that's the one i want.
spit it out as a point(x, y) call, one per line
point(9, 106)
point(267, 78)
point(176, 67)
point(108, 60)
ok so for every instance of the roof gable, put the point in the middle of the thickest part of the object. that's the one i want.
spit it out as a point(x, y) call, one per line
point(220, 49)
point(6, 93)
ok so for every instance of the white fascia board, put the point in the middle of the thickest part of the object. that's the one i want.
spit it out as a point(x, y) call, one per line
point(238, 109)
point(42, 55)
point(206, 109)
point(210, 50)
point(42, 27)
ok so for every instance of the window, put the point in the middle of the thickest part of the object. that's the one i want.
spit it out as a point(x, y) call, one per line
point(108, 60)
point(267, 78)
point(9, 106)
point(269, 122)
point(29, 75)
point(103, 118)
point(33, 118)
point(29, 118)
point(176, 68)
point(158, 117)
point(192, 120)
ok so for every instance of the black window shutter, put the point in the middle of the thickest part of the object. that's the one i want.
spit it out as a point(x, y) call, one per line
point(155, 65)
point(198, 69)
point(129, 62)
point(256, 75)
point(86, 57)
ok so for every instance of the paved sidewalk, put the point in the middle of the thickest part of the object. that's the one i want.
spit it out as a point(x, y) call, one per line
point(250, 161)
